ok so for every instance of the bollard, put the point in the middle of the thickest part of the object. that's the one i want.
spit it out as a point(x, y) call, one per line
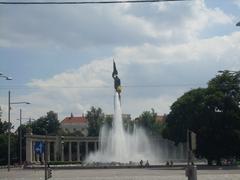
point(191, 172)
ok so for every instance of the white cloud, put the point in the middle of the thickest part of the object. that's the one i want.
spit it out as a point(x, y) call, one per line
point(173, 69)
point(160, 104)
point(153, 44)
point(187, 52)
point(110, 25)
point(181, 21)
point(237, 2)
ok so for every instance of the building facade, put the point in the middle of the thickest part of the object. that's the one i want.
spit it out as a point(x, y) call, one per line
point(59, 148)
point(76, 125)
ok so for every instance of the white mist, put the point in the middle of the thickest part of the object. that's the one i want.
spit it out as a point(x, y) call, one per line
point(118, 145)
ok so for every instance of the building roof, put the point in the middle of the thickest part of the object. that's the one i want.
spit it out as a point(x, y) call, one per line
point(74, 120)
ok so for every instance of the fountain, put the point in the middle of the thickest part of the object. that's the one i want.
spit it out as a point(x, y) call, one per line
point(119, 145)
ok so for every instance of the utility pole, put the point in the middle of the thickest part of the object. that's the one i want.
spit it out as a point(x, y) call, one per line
point(47, 169)
point(191, 169)
point(188, 149)
point(20, 137)
point(9, 127)
point(9, 130)
point(45, 156)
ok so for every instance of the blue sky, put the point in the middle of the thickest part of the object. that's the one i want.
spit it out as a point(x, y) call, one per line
point(60, 57)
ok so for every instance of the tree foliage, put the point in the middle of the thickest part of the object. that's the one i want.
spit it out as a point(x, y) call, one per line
point(3, 127)
point(4, 149)
point(147, 120)
point(4, 142)
point(3, 124)
point(213, 113)
point(0, 113)
point(48, 123)
point(95, 118)
point(108, 120)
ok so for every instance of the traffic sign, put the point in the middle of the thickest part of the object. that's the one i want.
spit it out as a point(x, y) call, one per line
point(39, 147)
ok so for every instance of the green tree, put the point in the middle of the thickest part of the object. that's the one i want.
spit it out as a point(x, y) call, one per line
point(186, 113)
point(95, 119)
point(213, 113)
point(4, 149)
point(128, 124)
point(148, 120)
point(108, 120)
point(3, 125)
point(0, 113)
point(48, 123)
point(4, 142)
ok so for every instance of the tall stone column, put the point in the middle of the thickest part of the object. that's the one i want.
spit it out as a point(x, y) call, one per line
point(86, 148)
point(185, 150)
point(78, 151)
point(95, 146)
point(29, 150)
point(48, 151)
point(42, 157)
point(33, 152)
point(62, 152)
point(37, 157)
point(70, 151)
point(55, 151)
point(181, 153)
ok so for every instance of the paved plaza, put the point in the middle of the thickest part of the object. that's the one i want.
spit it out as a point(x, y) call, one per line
point(118, 174)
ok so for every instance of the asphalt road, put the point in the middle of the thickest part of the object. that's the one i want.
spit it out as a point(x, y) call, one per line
point(118, 174)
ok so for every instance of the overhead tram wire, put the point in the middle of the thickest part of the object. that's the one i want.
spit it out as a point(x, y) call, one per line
point(80, 2)
point(100, 87)
point(22, 86)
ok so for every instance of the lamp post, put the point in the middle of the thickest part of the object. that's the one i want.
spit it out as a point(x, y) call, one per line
point(45, 157)
point(7, 78)
point(9, 126)
point(20, 136)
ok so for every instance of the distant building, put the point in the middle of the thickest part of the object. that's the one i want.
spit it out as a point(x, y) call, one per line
point(75, 124)
point(161, 119)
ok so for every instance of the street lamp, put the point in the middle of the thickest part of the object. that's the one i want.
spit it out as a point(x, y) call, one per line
point(4, 76)
point(9, 126)
point(8, 78)
point(238, 24)
point(20, 135)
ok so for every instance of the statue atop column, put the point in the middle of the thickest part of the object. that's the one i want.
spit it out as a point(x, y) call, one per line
point(117, 81)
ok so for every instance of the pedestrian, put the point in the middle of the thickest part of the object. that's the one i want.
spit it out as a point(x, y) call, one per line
point(167, 163)
point(147, 164)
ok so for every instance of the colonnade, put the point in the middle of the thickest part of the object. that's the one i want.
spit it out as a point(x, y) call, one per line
point(57, 146)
